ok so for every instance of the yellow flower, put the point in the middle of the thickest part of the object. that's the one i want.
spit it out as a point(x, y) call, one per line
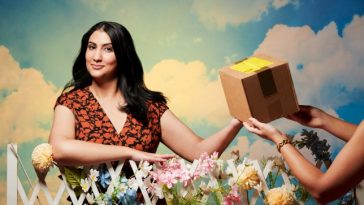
point(42, 157)
point(249, 178)
point(280, 196)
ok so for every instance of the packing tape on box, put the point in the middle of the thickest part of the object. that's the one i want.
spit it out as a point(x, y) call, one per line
point(251, 64)
point(267, 84)
point(266, 81)
point(269, 88)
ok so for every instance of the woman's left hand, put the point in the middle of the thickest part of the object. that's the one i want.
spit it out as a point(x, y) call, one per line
point(264, 130)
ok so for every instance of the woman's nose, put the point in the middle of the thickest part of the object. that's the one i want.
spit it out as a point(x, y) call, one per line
point(97, 56)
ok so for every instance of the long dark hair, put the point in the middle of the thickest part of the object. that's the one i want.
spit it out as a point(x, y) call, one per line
point(130, 75)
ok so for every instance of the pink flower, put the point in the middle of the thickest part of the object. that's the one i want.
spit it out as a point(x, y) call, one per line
point(206, 164)
point(232, 197)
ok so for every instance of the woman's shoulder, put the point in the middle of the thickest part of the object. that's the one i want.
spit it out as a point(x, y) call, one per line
point(156, 107)
point(153, 104)
point(69, 97)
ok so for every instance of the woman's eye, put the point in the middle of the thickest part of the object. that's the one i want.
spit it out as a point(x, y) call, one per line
point(91, 47)
point(109, 49)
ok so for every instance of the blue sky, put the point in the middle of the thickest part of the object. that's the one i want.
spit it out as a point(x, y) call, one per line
point(52, 29)
point(186, 42)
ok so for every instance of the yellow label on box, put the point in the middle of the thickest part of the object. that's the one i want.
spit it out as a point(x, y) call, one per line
point(251, 64)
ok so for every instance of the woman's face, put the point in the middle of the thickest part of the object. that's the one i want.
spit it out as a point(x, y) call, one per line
point(100, 57)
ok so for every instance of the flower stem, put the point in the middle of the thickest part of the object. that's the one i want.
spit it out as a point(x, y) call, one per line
point(275, 177)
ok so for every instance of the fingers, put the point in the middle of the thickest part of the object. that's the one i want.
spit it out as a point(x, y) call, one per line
point(250, 127)
point(256, 123)
point(152, 157)
point(166, 156)
point(302, 115)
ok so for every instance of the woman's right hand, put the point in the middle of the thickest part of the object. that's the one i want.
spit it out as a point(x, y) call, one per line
point(137, 155)
point(309, 116)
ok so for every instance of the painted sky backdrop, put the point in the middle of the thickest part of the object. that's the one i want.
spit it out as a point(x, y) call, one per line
point(182, 45)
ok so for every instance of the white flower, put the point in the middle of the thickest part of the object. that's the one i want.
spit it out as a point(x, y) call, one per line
point(116, 182)
point(145, 169)
point(280, 196)
point(158, 191)
point(240, 168)
point(216, 171)
point(123, 188)
point(133, 184)
point(228, 170)
point(42, 157)
point(85, 184)
point(90, 198)
point(93, 175)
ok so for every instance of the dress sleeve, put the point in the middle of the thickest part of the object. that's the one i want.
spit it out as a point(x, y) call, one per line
point(155, 112)
point(65, 99)
point(161, 107)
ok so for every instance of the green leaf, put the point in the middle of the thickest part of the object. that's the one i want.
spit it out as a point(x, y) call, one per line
point(216, 198)
point(73, 176)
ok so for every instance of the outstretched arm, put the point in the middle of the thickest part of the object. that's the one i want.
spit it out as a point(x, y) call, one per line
point(183, 141)
point(316, 118)
point(346, 171)
point(69, 151)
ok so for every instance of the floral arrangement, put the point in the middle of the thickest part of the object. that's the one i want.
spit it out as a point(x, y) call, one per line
point(178, 181)
point(42, 158)
point(99, 187)
point(210, 181)
point(207, 180)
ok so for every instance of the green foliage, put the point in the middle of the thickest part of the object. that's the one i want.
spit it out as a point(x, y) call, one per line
point(302, 193)
point(74, 176)
point(319, 148)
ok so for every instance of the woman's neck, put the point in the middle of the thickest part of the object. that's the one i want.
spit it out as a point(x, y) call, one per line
point(106, 89)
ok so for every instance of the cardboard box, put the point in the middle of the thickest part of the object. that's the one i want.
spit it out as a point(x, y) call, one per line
point(259, 86)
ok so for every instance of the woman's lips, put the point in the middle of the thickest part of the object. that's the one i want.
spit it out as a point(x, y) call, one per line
point(97, 67)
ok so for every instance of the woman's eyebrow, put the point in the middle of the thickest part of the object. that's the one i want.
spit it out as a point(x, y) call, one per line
point(105, 44)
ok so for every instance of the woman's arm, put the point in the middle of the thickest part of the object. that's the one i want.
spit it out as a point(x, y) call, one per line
point(316, 118)
point(183, 141)
point(346, 171)
point(69, 151)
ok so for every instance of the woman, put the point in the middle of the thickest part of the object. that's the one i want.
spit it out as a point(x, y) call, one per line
point(109, 114)
point(346, 171)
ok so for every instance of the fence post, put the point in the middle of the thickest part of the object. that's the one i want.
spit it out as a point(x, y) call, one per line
point(12, 175)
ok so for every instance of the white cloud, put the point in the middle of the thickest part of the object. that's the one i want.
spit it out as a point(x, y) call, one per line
point(277, 4)
point(192, 95)
point(219, 13)
point(333, 66)
point(27, 110)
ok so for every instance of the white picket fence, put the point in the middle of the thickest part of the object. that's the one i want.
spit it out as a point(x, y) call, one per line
point(15, 187)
